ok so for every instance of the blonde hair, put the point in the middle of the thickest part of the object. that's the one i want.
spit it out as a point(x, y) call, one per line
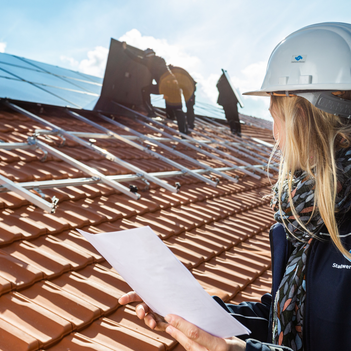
point(312, 138)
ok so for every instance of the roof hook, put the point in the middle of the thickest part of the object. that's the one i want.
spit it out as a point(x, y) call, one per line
point(177, 185)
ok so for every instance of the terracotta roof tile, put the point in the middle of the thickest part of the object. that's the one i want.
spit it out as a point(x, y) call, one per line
point(42, 324)
point(68, 306)
point(56, 289)
point(20, 274)
point(117, 337)
point(56, 247)
point(78, 342)
point(75, 240)
point(23, 225)
point(126, 317)
point(14, 338)
point(51, 265)
point(107, 278)
point(87, 290)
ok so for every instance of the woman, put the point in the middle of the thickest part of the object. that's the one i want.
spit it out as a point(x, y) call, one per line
point(308, 79)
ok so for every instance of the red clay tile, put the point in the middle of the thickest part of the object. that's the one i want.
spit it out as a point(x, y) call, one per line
point(249, 257)
point(107, 278)
point(51, 222)
point(34, 320)
point(8, 234)
point(226, 231)
point(8, 156)
point(14, 338)
point(88, 290)
point(186, 243)
point(80, 209)
point(17, 272)
point(216, 280)
point(206, 240)
point(120, 338)
point(79, 244)
point(56, 247)
point(51, 297)
point(202, 210)
point(51, 265)
point(188, 216)
point(189, 258)
point(238, 278)
point(73, 192)
point(15, 173)
point(20, 221)
point(91, 191)
point(159, 224)
point(126, 317)
point(103, 209)
point(78, 342)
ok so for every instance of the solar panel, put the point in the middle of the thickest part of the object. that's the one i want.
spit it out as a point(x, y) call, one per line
point(28, 80)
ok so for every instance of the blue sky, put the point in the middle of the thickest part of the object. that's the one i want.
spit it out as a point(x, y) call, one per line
point(200, 35)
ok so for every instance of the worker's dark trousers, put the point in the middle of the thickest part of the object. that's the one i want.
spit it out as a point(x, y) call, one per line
point(232, 116)
point(177, 112)
point(190, 115)
point(145, 93)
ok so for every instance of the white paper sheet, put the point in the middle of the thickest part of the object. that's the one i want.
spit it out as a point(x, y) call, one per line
point(161, 280)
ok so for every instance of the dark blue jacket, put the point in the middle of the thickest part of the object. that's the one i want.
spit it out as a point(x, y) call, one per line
point(327, 320)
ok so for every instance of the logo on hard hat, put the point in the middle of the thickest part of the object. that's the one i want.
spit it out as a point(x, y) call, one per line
point(298, 58)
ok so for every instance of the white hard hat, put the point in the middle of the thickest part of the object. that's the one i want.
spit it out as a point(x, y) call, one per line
point(312, 62)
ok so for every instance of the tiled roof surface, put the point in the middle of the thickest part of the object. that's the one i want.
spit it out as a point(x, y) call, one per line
point(59, 294)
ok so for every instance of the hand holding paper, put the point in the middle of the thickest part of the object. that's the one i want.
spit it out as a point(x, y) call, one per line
point(162, 281)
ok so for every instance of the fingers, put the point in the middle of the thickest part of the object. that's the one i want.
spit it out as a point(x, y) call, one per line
point(141, 310)
point(156, 322)
point(192, 337)
point(132, 296)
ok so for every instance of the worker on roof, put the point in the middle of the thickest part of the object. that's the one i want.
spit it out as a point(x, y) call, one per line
point(308, 81)
point(166, 84)
point(188, 85)
point(229, 102)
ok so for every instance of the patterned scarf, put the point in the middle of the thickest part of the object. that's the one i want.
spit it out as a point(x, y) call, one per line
point(289, 304)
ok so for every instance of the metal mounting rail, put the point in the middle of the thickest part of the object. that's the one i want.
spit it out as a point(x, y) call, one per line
point(246, 144)
point(140, 147)
point(218, 151)
point(11, 146)
point(190, 146)
point(102, 135)
point(161, 183)
point(238, 149)
point(62, 183)
point(145, 149)
point(88, 170)
point(34, 199)
point(244, 170)
point(228, 163)
point(76, 163)
point(242, 141)
point(169, 149)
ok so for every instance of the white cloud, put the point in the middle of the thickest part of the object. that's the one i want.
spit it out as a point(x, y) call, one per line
point(251, 78)
point(2, 47)
point(208, 86)
point(176, 55)
point(95, 63)
point(173, 54)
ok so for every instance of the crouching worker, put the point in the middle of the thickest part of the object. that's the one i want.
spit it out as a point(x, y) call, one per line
point(166, 85)
point(309, 83)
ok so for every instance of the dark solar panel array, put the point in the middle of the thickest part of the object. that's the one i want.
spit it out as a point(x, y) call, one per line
point(27, 80)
